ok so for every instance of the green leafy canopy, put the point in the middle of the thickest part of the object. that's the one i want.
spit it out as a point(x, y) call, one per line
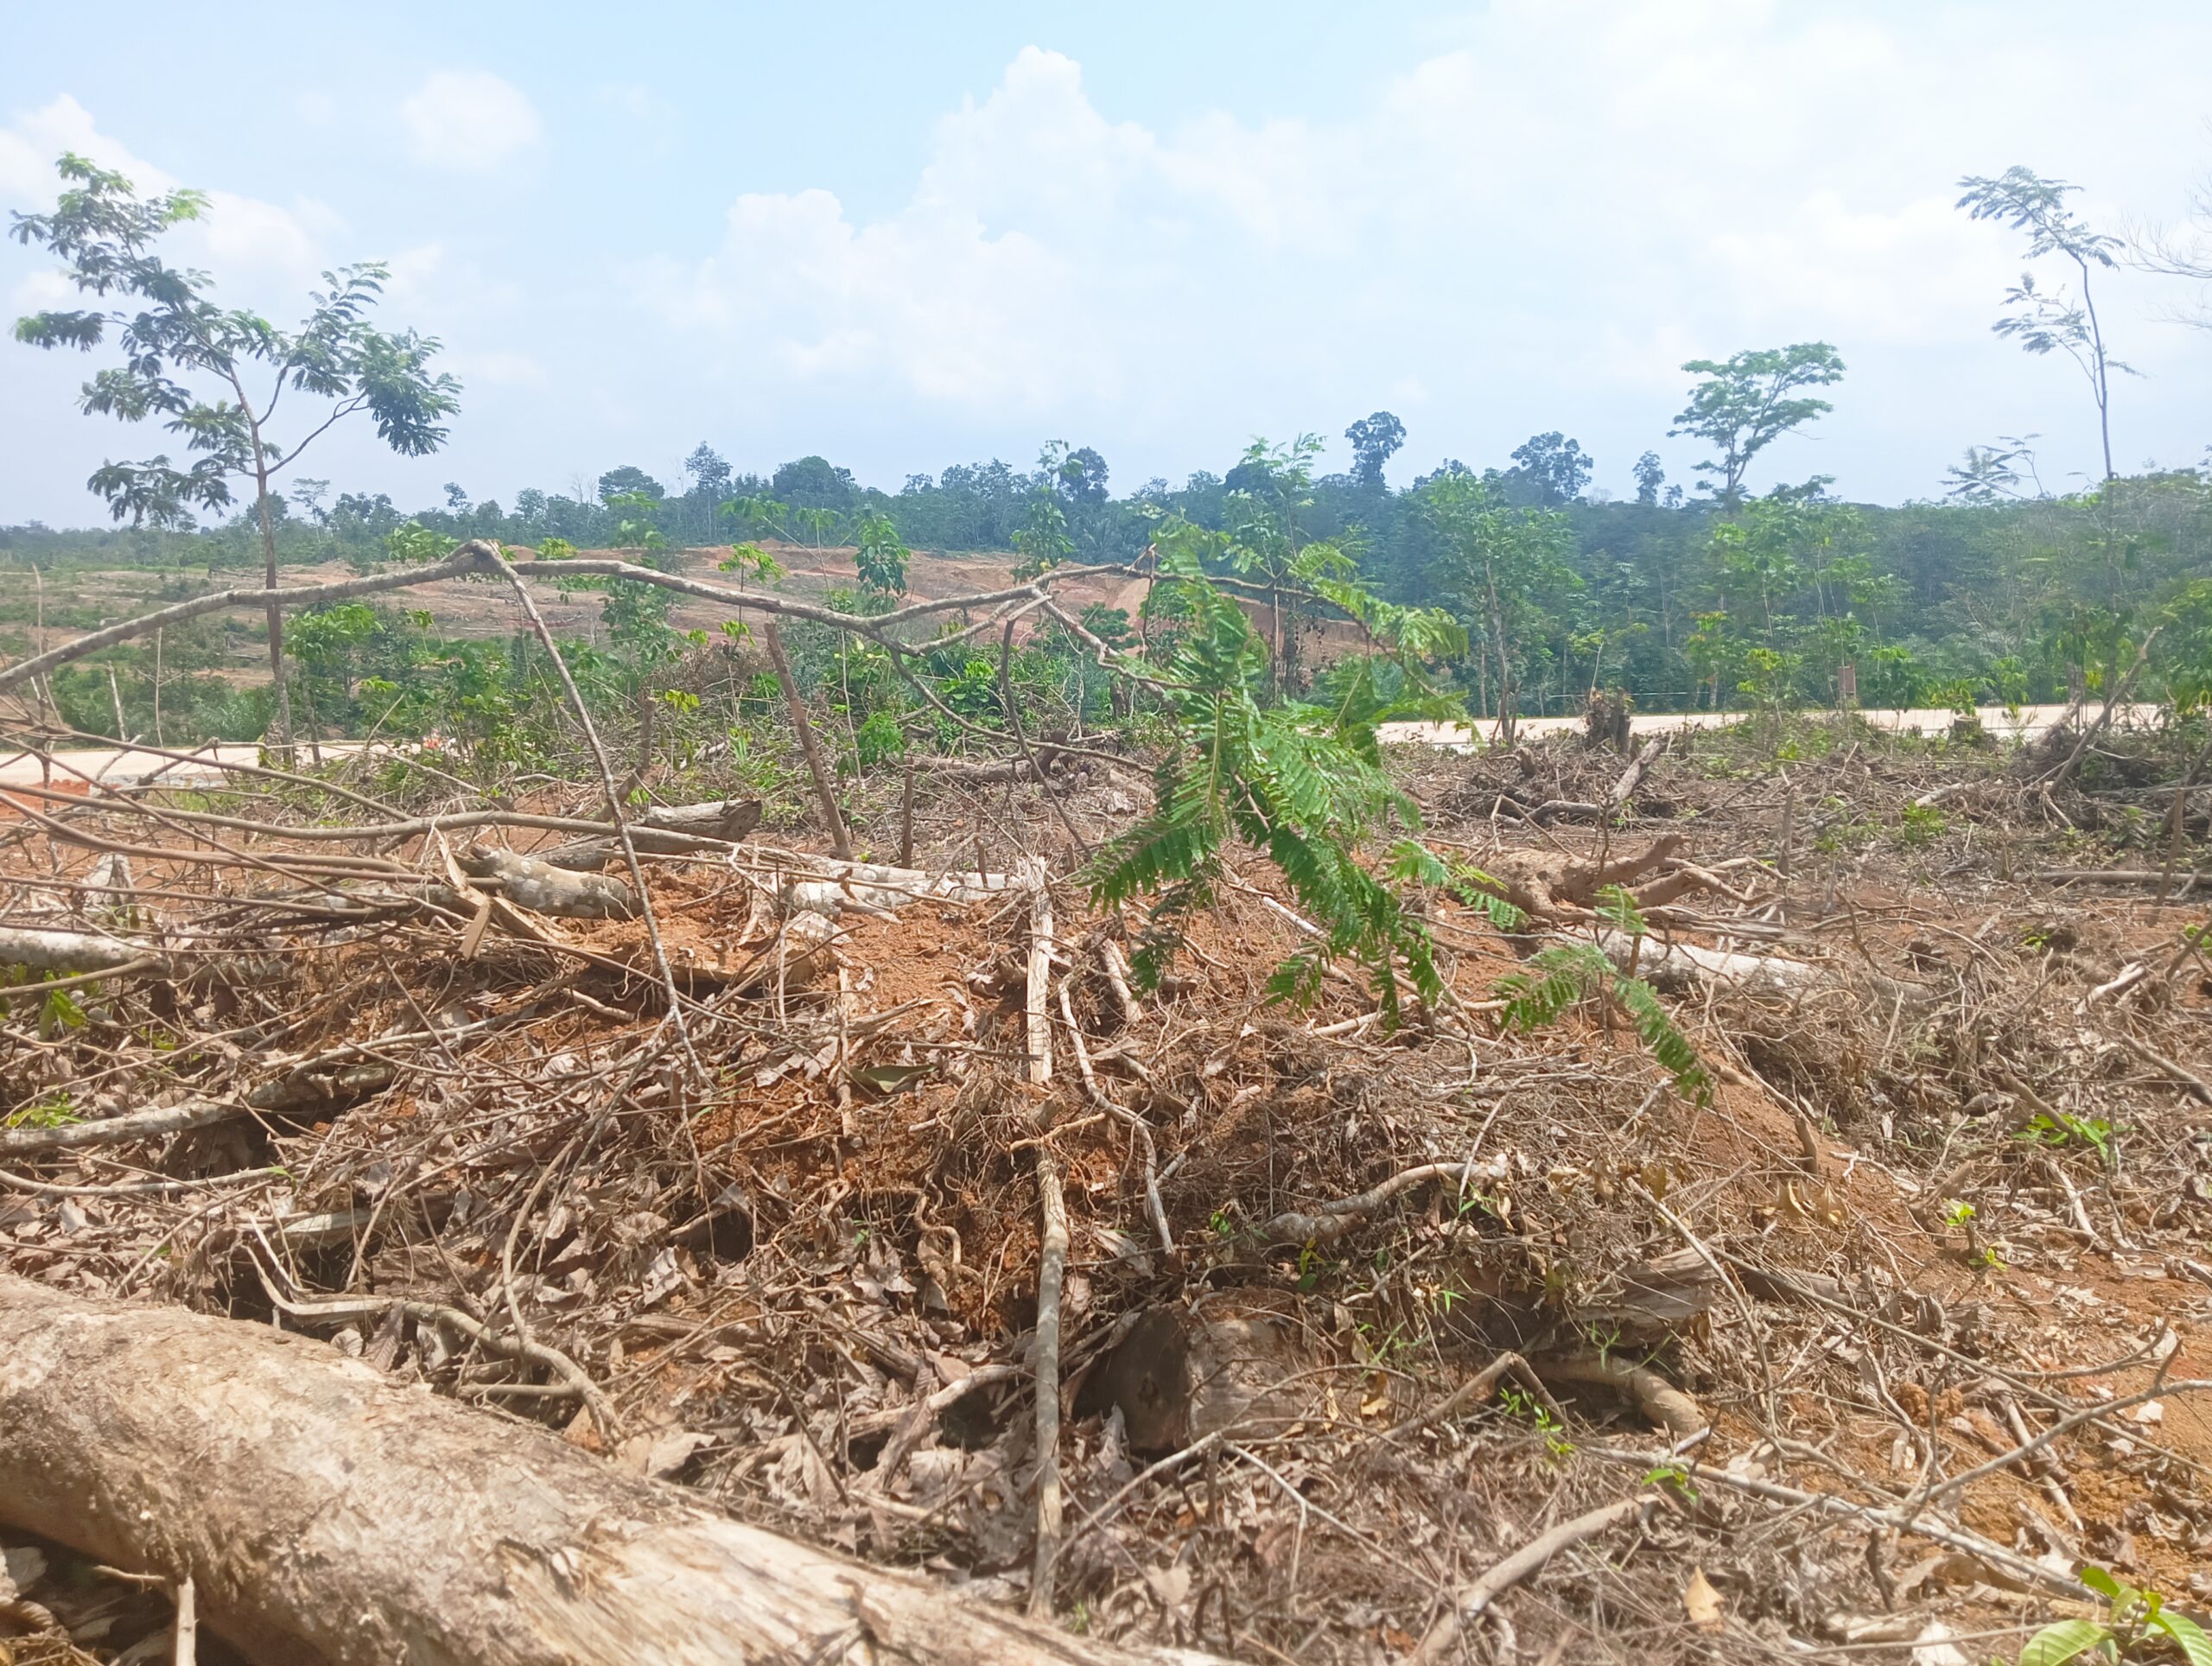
point(185, 359)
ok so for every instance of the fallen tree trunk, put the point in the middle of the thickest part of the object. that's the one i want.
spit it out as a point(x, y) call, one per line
point(1671, 965)
point(664, 830)
point(2124, 876)
point(327, 1515)
point(30, 1142)
point(66, 952)
point(545, 889)
point(315, 1091)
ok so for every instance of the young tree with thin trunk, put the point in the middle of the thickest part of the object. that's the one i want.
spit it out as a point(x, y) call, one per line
point(188, 362)
point(1499, 560)
point(2043, 320)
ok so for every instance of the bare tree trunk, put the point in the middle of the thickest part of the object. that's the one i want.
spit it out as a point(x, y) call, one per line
point(816, 766)
point(329, 1516)
point(275, 614)
point(1508, 709)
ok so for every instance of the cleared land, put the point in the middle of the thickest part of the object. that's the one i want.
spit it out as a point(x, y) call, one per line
point(1861, 1346)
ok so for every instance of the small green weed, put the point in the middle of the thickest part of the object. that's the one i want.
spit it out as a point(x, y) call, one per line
point(2135, 1623)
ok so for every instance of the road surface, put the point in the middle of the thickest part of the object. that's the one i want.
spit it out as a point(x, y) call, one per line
point(2003, 724)
point(128, 766)
point(74, 771)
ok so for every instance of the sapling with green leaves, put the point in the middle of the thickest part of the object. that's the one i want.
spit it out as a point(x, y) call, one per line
point(882, 556)
point(1499, 560)
point(2137, 1624)
point(219, 378)
point(2045, 321)
point(1301, 780)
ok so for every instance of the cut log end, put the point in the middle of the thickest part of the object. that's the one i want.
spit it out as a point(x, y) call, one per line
point(327, 1515)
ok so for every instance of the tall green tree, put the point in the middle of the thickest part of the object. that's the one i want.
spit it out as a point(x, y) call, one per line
point(2047, 320)
point(629, 481)
point(1550, 469)
point(214, 376)
point(1374, 440)
point(1743, 403)
point(711, 475)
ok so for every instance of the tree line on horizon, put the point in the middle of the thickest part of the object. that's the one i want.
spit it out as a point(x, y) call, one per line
point(1711, 596)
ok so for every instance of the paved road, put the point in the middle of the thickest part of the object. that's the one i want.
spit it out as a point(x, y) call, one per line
point(2004, 725)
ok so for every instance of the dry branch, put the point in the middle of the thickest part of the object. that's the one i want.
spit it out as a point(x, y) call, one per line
point(114, 1130)
point(1653, 1394)
point(327, 1514)
point(1475, 1599)
point(1331, 1221)
point(818, 767)
point(2198, 1087)
point(1052, 1260)
point(2184, 885)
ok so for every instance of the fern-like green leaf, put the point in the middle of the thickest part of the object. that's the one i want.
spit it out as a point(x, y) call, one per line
point(1564, 973)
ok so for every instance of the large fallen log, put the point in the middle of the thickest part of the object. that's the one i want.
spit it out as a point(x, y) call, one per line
point(66, 951)
point(545, 889)
point(330, 1517)
point(1674, 966)
point(664, 830)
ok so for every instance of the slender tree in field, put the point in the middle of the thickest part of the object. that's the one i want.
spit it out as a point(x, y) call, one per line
point(216, 378)
point(1745, 402)
point(2043, 320)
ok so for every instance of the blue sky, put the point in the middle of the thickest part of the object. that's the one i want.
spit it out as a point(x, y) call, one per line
point(905, 240)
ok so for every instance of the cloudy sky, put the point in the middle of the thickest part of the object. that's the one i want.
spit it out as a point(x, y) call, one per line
point(905, 240)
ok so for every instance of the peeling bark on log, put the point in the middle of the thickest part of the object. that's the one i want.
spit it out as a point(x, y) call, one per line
point(545, 889)
point(662, 831)
point(114, 1130)
point(65, 951)
point(1632, 776)
point(832, 889)
point(327, 1515)
point(1674, 966)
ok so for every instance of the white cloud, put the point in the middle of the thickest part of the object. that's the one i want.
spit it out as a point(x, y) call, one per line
point(469, 122)
point(1543, 219)
point(31, 143)
point(240, 238)
point(496, 369)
